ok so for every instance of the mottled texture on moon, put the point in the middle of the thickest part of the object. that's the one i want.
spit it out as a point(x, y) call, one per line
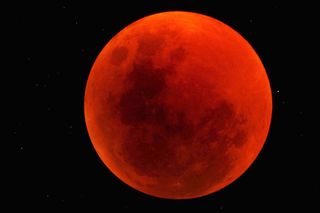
point(178, 105)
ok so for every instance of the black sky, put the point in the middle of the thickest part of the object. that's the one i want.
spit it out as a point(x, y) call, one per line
point(54, 166)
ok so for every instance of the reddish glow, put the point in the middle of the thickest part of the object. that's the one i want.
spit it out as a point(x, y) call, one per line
point(178, 105)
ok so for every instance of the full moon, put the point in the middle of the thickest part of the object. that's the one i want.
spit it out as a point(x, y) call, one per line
point(178, 105)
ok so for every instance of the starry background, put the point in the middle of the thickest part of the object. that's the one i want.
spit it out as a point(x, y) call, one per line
point(53, 45)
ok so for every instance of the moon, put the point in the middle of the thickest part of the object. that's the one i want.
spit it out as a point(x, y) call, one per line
point(178, 105)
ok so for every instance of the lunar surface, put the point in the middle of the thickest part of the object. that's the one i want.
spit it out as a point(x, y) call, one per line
point(178, 105)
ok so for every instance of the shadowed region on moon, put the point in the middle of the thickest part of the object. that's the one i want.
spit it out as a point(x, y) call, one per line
point(134, 104)
point(159, 138)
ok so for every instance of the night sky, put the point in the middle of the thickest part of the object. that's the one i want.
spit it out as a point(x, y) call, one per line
point(54, 165)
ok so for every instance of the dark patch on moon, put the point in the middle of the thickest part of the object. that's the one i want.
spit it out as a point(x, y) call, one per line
point(177, 55)
point(149, 45)
point(239, 137)
point(119, 54)
point(155, 135)
point(222, 124)
point(135, 104)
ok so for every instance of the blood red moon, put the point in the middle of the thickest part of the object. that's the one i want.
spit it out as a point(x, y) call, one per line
point(178, 105)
